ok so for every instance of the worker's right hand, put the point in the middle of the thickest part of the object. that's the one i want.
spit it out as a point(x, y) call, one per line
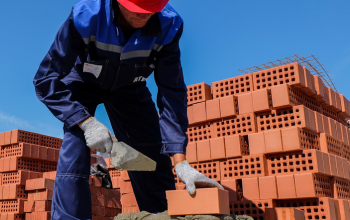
point(97, 136)
point(192, 178)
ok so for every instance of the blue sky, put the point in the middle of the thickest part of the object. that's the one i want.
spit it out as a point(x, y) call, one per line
point(219, 38)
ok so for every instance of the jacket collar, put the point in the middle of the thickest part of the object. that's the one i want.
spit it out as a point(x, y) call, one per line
point(153, 27)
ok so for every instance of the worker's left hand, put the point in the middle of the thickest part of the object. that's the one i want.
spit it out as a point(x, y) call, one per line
point(192, 178)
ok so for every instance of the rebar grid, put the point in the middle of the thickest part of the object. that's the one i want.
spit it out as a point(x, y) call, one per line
point(310, 62)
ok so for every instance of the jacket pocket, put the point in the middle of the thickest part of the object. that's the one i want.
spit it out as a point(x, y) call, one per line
point(94, 72)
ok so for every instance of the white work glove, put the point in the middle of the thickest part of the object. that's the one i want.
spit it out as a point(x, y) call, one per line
point(193, 178)
point(97, 136)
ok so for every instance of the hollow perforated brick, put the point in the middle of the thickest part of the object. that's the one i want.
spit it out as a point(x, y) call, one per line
point(340, 188)
point(310, 185)
point(236, 125)
point(328, 112)
point(344, 133)
point(296, 116)
point(12, 206)
point(319, 123)
point(338, 131)
point(199, 112)
point(198, 93)
point(310, 83)
point(24, 150)
point(314, 208)
point(16, 163)
point(331, 145)
point(289, 214)
point(199, 132)
point(34, 138)
point(257, 143)
point(307, 161)
point(255, 208)
point(213, 109)
point(38, 215)
point(245, 103)
point(209, 169)
point(12, 216)
point(18, 177)
point(321, 90)
point(233, 86)
point(190, 114)
point(245, 167)
point(299, 139)
point(228, 106)
point(236, 146)
point(292, 74)
point(334, 100)
point(14, 191)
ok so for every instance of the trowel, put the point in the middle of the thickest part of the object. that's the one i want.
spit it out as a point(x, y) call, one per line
point(124, 157)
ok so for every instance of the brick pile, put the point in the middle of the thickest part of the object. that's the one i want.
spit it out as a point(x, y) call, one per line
point(277, 140)
point(28, 163)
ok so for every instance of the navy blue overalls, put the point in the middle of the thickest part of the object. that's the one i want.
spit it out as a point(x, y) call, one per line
point(91, 63)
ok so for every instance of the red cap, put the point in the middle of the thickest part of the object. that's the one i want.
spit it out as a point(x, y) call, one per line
point(144, 6)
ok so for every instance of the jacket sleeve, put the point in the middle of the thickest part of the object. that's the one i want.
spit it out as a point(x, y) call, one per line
point(172, 97)
point(57, 63)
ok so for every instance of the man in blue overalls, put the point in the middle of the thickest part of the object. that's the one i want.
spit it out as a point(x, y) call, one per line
point(103, 53)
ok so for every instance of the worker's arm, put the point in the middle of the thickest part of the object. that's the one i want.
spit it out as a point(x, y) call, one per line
point(57, 63)
point(172, 97)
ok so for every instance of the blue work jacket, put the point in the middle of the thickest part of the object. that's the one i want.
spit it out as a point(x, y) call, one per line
point(91, 35)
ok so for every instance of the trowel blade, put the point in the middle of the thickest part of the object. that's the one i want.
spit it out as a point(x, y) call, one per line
point(124, 157)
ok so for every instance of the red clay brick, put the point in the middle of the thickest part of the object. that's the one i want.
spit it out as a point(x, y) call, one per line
point(280, 96)
point(2, 139)
point(245, 103)
point(180, 202)
point(289, 214)
point(203, 150)
point(125, 176)
point(190, 114)
point(326, 126)
point(344, 133)
point(257, 209)
point(346, 169)
point(42, 206)
point(38, 195)
point(217, 148)
point(345, 104)
point(262, 100)
point(268, 187)
point(338, 131)
point(306, 161)
point(228, 106)
point(333, 165)
point(29, 206)
point(251, 188)
point(326, 164)
point(198, 93)
point(131, 209)
point(309, 185)
point(299, 139)
point(12, 206)
point(213, 109)
point(341, 188)
point(332, 127)
point(191, 152)
point(245, 167)
point(310, 83)
point(292, 74)
point(233, 86)
point(344, 209)
point(321, 90)
point(199, 112)
point(257, 143)
point(240, 124)
point(129, 199)
point(7, 137)
point(30, 184)
point(286, 187)
point(231, 187)
point(209, 169)
point(273, 141)
point(200, 132)
point(98, 210)
point(340, 168)
point(236, 146)
point(126, 187)
point(319, 123)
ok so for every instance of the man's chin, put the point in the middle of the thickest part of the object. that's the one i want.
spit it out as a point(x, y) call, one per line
point(138, 25)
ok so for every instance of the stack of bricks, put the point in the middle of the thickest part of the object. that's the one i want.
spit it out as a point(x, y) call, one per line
point(23, 156)
point(274, 139)
point(121, 181)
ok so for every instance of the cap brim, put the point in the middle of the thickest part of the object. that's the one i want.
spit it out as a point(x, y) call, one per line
point(154, 7)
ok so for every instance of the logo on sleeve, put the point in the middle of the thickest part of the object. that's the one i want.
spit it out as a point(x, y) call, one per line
point(139, 79)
